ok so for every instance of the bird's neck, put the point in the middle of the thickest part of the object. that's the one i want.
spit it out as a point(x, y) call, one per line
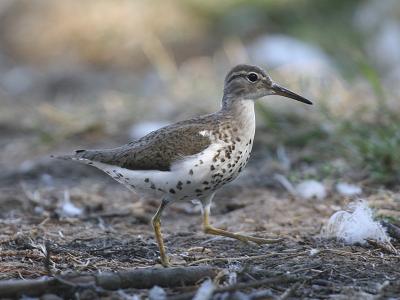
point(242, 113)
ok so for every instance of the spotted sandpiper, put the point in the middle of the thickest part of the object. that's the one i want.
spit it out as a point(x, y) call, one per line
point(192, 159)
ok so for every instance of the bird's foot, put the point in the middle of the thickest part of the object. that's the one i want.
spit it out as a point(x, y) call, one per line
point(172, 261)
point(256, 240)
point(165, 261)
point(244, 238)
point(261, 241)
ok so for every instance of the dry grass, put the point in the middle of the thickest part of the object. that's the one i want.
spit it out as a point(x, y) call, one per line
point(98, 32)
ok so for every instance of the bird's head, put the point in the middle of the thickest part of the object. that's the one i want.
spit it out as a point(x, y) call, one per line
point(246, 82)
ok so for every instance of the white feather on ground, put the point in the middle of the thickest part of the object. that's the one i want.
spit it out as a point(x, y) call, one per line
point(355, 226)
point(68, 209)
point(346, 189)
point(309, 189)
point(205, 291)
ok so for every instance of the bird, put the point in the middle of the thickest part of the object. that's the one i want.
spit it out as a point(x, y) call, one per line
point(192, 159)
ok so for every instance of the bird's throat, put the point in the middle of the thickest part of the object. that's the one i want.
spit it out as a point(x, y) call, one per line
point(242, 113)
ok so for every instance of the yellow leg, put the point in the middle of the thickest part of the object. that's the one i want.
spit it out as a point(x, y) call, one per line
point(216, 231)
point(157, 230)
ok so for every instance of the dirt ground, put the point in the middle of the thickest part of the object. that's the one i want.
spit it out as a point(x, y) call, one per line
point(113, 233)
point(87, 74)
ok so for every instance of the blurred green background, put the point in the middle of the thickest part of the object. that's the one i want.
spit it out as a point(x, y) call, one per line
point(98, 73)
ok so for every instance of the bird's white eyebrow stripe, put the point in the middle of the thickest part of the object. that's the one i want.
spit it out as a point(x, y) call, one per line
point(240, 74)
point(236, 75)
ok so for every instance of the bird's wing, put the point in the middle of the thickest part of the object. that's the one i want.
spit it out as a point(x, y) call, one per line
point(155, 151)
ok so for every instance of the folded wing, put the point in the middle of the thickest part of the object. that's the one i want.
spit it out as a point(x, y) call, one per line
point(155, 151)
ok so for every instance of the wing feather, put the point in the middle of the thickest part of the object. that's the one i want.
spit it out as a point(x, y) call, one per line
point(155, 151)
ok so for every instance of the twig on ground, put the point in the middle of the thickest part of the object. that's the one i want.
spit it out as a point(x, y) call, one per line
point(388, 247)
point(241, 286)
point(47, 258)
point(243, 258)
point(290, 291)
point(139, 278)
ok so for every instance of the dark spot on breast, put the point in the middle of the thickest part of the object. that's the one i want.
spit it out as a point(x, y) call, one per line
point(146, 180)
point(250, 142)
point(191, 172)
point(238, 139)
point(198, 190)
point(188, 182)
point(235, 129)
point(153, 186)
point(212, 168)
point(132, 186)
point(205, 182)
point(223, 171)
point(179, 185)
point(240, 169)
point(206, 188)
point(172, 191)
point(161, 190)
point(201, 162)
point(222, 159)
point(229, 165)
point(120, 175)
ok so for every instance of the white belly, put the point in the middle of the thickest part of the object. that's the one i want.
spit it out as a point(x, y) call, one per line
point(191, 178)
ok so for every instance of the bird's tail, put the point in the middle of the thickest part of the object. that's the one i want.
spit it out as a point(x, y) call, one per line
point(78, 155)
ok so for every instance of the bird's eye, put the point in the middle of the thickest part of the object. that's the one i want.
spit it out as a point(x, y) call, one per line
point(252, 77)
